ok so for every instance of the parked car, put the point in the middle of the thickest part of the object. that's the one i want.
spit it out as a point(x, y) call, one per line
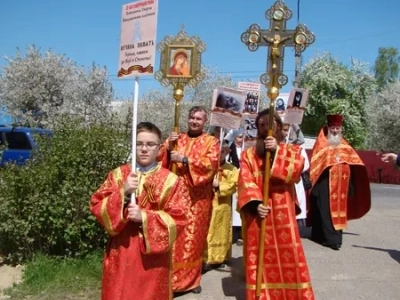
point(17, 143)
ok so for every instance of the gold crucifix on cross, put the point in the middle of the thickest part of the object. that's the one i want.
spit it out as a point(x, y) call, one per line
point(276, 46)
point(276, 38)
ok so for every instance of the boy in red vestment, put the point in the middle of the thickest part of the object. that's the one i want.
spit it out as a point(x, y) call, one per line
point(285, 272)
point(196, 159)
point(137, 262)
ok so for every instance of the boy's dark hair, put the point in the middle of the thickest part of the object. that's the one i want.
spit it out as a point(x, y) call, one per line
point(148, 127)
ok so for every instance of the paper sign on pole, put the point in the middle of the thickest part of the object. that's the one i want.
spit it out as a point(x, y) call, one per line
point(138, 39)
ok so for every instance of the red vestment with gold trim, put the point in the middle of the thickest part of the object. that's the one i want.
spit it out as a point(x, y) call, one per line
point(203, 156)
point(137, 261)
point(285, 272)
point(343, 162)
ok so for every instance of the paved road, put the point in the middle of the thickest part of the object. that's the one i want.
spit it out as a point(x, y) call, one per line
point(367, 266)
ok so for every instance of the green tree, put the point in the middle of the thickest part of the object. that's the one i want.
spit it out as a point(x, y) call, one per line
point(387, 66)
point(44, 205)
point(337, 88)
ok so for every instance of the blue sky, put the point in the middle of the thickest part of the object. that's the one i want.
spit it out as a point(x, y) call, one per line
point(88, 30)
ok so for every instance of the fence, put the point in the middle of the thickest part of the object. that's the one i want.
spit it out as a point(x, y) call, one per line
point(378, 171)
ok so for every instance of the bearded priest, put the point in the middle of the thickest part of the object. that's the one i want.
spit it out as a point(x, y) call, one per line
point(340, 187)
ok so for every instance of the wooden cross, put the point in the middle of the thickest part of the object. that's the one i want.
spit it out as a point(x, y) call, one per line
point(276, 38)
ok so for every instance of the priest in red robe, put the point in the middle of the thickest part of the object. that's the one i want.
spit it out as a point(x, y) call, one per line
point(137, 261)
point(197, 158)
point(340, 185)
point(285, 272)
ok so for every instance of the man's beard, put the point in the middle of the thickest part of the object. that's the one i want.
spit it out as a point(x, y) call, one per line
point(261, 136)
point(334, 140)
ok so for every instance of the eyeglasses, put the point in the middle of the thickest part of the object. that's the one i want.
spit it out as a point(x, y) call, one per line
point(150, 146)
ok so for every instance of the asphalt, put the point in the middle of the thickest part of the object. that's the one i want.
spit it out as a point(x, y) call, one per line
point(366, 267)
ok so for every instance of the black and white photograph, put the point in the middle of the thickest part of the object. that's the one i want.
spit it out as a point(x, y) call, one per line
point(280, 104)
point(250, 127)
point(296, 106)
point(227, 108)
point(250, 131)
point(298, 98)
point(229, 101)
point(251, 103)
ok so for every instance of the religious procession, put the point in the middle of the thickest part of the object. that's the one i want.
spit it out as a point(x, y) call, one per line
point(224, 203)
point(175, 211)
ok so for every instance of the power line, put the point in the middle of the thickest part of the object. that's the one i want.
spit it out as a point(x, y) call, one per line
point(298, 11)
point(234, 77)
point(243, 74)
point(230, 72)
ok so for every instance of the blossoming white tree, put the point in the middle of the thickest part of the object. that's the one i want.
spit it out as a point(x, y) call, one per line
point(384, 119)
point(338, 88)
point(41, 87)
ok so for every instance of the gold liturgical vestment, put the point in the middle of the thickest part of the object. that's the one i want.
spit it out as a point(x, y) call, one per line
point(219, 238)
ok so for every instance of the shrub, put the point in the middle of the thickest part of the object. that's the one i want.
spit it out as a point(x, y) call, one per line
point(44, 206)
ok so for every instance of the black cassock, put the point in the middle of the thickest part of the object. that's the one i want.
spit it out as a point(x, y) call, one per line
point(323, 231)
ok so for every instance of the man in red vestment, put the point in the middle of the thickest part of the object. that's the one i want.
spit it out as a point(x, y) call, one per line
point(137, 261)
point(196, 158)
point(340, 185)
point(285, 272)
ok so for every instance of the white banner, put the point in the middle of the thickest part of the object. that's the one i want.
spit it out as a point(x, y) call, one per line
point(138, 39)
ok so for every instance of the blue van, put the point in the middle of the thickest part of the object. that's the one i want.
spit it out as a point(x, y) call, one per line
point(16, 143)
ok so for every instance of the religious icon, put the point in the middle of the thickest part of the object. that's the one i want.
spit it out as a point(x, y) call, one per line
point(180, 62)
point(278, 14)
point(300, 39)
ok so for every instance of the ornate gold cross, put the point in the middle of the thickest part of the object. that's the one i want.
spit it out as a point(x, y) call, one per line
point(276, 38)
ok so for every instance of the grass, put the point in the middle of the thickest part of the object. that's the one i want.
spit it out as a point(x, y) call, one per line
point(48, 278)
